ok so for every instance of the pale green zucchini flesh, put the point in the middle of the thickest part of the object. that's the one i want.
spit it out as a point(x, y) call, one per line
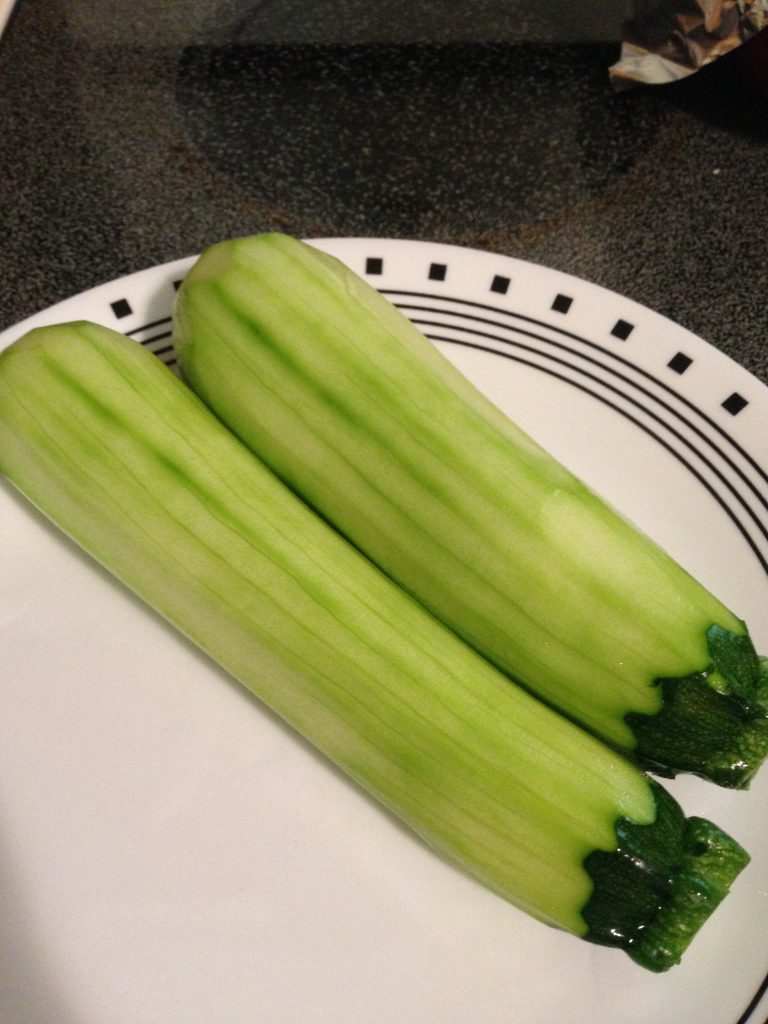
point(112, 447)
point(359, 414)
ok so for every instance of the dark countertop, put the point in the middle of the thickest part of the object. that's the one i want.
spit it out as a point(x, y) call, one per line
point(131, 136)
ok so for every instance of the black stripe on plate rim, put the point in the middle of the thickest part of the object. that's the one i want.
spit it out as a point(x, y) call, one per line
point(762, 527)
point(632, 419)
point(155, 337)
point(754, 1001)
point(763, 499)
point(710, 442)
point(146, 327)
point(614, 355)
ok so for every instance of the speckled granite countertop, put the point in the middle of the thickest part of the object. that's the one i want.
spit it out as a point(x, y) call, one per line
point(131, 136)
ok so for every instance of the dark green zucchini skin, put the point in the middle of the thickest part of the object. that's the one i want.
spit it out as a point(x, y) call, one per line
point(654, 892)
point(124, 458)
point(703, 731)
point(363, 418)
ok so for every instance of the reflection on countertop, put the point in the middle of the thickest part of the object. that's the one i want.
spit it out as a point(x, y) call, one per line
point(128, 141)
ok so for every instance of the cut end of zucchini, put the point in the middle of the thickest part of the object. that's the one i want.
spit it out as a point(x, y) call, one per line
point(709, 864)
point(655, 891)
point(712, 723)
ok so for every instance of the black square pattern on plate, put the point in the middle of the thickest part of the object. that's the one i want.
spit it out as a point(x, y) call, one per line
point(679, 362)
point(562, 303)
point(500, 284)
point(374, 265)
point(121, 308)
point(622, 329)
point(734, 403)
point(437, 271)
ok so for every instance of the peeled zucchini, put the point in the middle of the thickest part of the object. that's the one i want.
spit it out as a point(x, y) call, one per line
point(112, 447)
point(360, 415)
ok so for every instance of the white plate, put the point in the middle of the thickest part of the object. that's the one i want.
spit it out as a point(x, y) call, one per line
point(171, 854)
